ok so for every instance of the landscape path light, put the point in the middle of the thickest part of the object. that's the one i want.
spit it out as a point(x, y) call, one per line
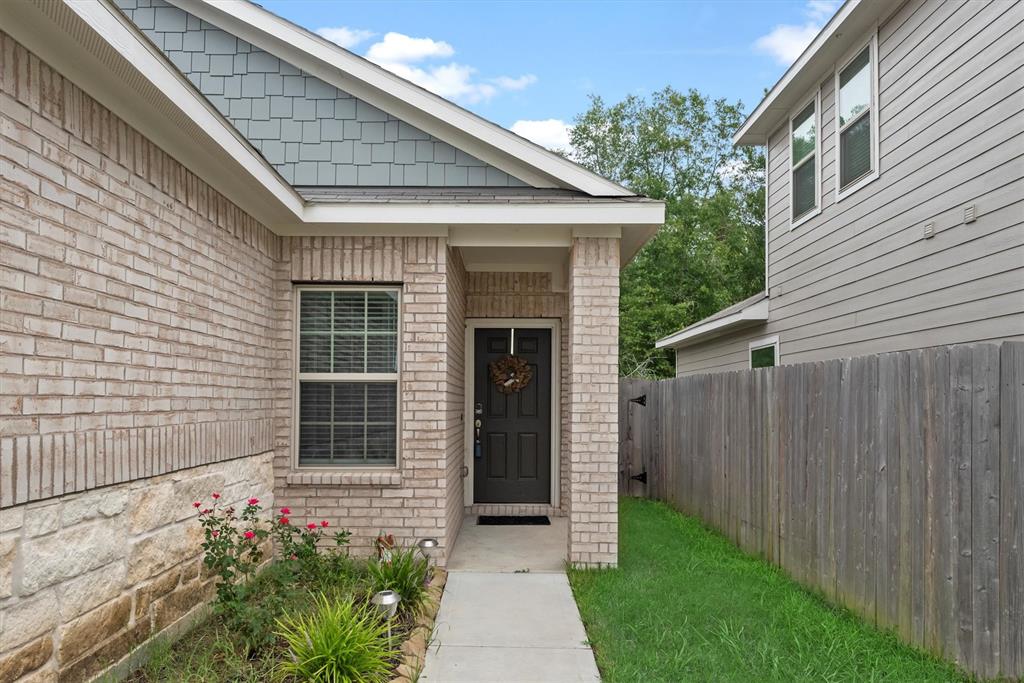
point(429, 547)
point(387, 603)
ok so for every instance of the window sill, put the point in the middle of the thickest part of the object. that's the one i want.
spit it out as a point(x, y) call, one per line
point(796, 223)
point(385, 478)
point(845, 192)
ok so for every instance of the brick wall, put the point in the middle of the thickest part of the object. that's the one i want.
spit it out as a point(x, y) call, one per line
point(411, 501)
point(526, 295)
point(456, 394)
point(593, 400)
point(136, 375)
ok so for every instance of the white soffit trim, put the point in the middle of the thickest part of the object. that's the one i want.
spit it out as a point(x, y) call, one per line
point(751, 315)
point(472, 134)
point(849, 25)
point(109, 24)
point(498, 213)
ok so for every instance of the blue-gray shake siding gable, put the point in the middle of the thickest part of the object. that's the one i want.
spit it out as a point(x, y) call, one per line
point(310, 131)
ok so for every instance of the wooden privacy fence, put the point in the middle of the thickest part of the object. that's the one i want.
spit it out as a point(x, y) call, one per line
point(892, 483)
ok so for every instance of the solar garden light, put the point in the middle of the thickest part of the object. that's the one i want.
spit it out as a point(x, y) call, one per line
point(428, 546)
point(386, 603)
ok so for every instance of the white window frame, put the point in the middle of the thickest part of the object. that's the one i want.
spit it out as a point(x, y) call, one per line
point(816, 98)
point(872, 44)
point(762, 343)
point(384, 377)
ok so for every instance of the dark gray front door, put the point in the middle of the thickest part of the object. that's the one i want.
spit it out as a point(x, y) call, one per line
point(512, 454)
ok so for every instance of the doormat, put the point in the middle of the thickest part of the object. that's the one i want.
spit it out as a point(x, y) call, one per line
point(509, 520)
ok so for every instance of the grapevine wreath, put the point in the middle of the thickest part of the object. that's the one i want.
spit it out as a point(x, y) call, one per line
point(510, 374)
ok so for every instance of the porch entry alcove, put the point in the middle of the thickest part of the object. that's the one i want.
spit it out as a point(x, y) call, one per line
point(512, 435)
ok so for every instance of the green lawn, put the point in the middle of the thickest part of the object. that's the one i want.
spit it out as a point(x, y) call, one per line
point(687, 605)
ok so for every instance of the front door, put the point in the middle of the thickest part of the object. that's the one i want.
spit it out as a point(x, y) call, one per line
point(512, 449)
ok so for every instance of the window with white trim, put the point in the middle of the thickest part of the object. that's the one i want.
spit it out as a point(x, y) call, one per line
point(804, 161)
point(856, 118)
point(764, 353)
point(347, 412)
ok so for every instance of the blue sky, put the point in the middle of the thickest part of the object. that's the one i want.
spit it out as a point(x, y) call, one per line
point(530, 66)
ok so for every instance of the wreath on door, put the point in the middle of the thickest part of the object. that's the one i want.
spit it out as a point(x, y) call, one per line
point(510, 374)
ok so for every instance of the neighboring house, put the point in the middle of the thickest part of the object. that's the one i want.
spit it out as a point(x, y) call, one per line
point(235, 257)
point(906, 228)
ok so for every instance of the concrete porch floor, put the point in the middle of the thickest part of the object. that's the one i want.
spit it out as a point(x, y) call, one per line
point(511, 548)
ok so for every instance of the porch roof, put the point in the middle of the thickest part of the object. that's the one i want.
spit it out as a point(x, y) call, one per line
point(746, 313)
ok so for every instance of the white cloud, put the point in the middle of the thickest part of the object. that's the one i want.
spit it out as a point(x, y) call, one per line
point(402, 49)
point(452, 81)
point(550, 133)
point(402, 55)
point(344, 36)
point(785, 42)
point(508, 83)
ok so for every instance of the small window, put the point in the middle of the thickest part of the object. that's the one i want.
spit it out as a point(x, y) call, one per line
point(804, 161)
point(764, 353)
point(856, 118)
point(347, 377)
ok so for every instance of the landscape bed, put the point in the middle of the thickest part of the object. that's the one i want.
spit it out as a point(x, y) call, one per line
point(306, 615)
point(686, 605)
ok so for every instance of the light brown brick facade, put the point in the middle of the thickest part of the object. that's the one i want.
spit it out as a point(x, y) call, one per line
point(146, 359)
point(136, 375)
point(410, 502)
point(593, 401)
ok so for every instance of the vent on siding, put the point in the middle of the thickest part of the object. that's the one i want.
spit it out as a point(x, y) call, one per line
point(929, 230)
point(969, 214)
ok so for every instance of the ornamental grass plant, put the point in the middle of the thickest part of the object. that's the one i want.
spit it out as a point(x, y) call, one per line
point(338, 641)
point(404, 571)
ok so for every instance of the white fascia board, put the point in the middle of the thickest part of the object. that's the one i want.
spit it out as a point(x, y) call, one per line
point(472, 134)
point(756, 313)
point(108, 23)
point(802, 76)
point(550, 213)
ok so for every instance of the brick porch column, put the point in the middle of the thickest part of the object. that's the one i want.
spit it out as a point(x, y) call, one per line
point(593, 401)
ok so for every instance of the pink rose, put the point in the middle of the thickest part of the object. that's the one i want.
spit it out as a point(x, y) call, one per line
point(249, 535)
point(324, 524)
point(196, 504)
point(283, 520)
point(253, 501)
point(215, 495)
point(215, 533)
point(311, 526)
point(286, 511)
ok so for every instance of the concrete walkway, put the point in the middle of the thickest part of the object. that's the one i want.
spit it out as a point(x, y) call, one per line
point(509, 628)
point(507, 614)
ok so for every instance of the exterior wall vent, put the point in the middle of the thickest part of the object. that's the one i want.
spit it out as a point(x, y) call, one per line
point(929, 230)
point(970, 214)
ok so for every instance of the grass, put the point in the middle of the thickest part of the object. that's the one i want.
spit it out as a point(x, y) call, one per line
point(687, 605)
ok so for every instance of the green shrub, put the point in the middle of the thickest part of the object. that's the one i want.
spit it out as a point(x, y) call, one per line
point(406, 574)
point(336, 642)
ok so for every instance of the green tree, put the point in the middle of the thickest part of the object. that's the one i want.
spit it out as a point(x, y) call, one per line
point(677, 147)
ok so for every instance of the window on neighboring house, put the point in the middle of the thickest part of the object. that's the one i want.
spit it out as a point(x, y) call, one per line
point(856, 116)
point(804, 161)
point(347, 377)
point(764, 353)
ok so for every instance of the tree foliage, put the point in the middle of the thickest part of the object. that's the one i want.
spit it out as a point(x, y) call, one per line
point(677, 147)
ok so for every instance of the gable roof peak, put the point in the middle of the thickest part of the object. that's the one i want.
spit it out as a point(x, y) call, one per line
point(445, 120)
